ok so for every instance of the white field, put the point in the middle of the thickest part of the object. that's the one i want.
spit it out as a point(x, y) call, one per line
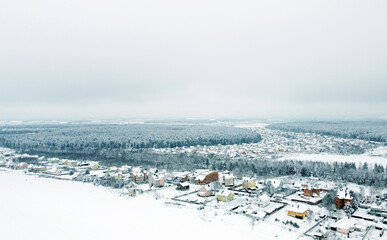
point(377, 155)
point(42, 208)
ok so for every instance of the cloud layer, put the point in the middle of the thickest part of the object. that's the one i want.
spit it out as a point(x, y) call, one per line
point(99, 59)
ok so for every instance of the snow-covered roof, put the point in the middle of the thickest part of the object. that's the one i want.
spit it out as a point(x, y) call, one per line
point(205, 188)
point(224, 193)
point(274, 182)
point(157, 176)
point(229, 176)
point(184, 184)
point(299, 209)
point(344, 223)
point(264, 198)
point(246, 179)
point(98, 173)
point(200, 177)
point(344, 194)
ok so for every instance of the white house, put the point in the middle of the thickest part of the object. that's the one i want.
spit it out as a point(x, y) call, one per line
point(156, 180)
point(262, 201)
point(226, 178)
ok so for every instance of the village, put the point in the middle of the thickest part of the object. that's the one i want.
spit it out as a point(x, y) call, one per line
point(311, 207)
point(276, 144)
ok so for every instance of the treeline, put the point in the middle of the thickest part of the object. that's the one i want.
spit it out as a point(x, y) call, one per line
point(365, 175)
point(116, 141)
point(365, 130)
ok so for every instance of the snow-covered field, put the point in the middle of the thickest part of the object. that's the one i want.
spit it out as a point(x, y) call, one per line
point(377, 155)
point(42, 208)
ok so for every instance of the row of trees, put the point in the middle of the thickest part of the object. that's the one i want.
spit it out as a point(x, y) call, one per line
point(365, 130)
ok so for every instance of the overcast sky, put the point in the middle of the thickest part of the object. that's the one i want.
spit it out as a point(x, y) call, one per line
point(87, 59)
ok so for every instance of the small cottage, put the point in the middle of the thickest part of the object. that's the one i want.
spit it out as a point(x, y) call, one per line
point(227, 178)
point(182, 186)
point(320, 233)
point(298, 212)
point(205, 191)
point(225, 196)
point(262, 201)
point(21, 165)
point(93, 166)
point(248, 182)
point(132, 192)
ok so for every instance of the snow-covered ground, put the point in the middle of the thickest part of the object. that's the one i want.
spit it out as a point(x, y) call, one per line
point(41, 208)
point(377, 155)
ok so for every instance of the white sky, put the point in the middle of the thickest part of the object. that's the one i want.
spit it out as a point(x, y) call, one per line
point(107, 59)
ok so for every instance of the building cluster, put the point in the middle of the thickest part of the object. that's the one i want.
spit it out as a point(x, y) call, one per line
point(288, 200)
point(276, 144)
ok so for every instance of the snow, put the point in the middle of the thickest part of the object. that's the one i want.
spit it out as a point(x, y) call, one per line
point(298, 209)
point(274, 182)
point(331, 158)
point(344, 194)
point(251, 125)
point(43, 208)
point(264, 197)
point(184, 184)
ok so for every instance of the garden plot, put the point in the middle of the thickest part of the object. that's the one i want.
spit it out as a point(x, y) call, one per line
point(300, 225)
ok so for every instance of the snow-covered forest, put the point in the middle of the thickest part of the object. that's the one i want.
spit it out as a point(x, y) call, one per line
point(115, 141)
point(366, 130)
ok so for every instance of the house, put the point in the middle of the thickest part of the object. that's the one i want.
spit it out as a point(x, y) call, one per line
point(371, 198)
point(311, 192)
point(342, 198)
point(21, 165)
point(138, 175)
point(71, 163)
point(347, 226)
point(262, 201)
point(248, 209)
point(112, 169)
point(252, 209)
point(156, 180)
point(182, 186)
point(248, 182)
point(83, 164)
point(207, 177)
point(298, 212)
point(93, 166)
point(320, 233)
point(378, 211)
point(184, 176)
point(132, 192)
point(274, 185)
point(227, 178)
point(205, 191)
point(225, 196)
point(39, 168)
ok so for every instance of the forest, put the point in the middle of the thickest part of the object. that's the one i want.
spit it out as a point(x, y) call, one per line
point(365, 130)
point(116, 141)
